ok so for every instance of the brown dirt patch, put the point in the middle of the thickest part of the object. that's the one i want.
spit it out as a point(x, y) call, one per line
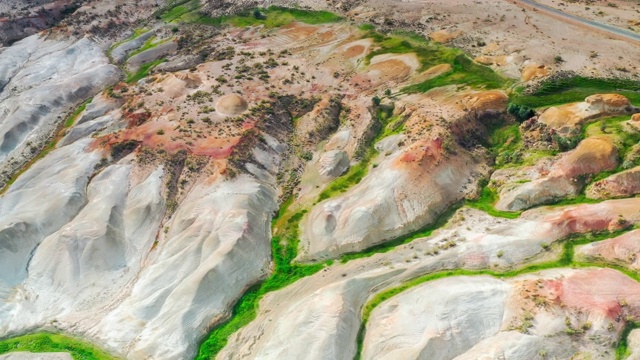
point(354, 51)
point(443, 36)
point(534, 71)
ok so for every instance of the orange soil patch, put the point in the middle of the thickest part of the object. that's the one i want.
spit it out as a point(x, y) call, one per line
point(612, 100)
point(492, 60)
point(433, 72)
point(443, 36)
point(298, 31)
point(421, 152)
point(593, 155)
point(391, 69)
point(354, 51)
point(534, 71)
point(487, 100)
point(147, 135)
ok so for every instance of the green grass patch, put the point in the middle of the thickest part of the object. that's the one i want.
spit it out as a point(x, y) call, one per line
point(49, 342)
point(404, 42)
point(72, 118)
point(486, 202)
point(613, 127)
point(271, 17)
point(357, 172)
point(566, 259)
point(395, 125)
point(556, 91)
point(143, 71)
point(622, 350)
point(464, 71)
point(353, 177)
point(135, 35)
point(179, 8)
point(149, 44)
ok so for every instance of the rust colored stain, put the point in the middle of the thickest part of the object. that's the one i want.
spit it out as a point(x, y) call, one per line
point(424, 151)
point(354, 51)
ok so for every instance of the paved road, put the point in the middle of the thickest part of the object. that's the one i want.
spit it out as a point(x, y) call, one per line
point(594, 24)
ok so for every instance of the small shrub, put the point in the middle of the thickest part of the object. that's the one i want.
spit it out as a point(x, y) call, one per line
point(306, 156)
point(520, 112)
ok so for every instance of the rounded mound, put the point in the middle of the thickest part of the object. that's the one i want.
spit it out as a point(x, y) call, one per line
point(231, 105)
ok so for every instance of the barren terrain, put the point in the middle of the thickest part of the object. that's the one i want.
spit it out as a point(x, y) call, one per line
point(372, 179)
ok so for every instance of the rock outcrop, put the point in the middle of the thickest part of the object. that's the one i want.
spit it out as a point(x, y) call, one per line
point(395, 198)
point(41, 80)
point(566, 119)
point(332, 299)
point(333, 164)
point(472, 318)
point(623, 184)
point(231, 105)
point(593, 155)
point(623, 250)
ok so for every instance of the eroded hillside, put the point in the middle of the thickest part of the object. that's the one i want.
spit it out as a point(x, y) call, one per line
point(225, 181)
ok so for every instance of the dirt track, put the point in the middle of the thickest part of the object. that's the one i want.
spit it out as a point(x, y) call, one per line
point(610, 29)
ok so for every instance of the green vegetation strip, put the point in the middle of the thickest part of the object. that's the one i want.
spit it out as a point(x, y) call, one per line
point(464, 71)
point(49, 147)
point(143, 71)
point(387, 124)
point(566, 260)
point(622, 350)
point(405, 239)
point(557, 91)
point(486, 202)
point(149, 44)
point(49, 342)
point(285, 247)
point(135, 35)
point(271, 17)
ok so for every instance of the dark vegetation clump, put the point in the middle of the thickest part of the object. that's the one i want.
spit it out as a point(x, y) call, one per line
point(522, 113)
point(120, 150)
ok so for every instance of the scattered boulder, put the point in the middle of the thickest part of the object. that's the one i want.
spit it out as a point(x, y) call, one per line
point(333, 163)
point(231, 105)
